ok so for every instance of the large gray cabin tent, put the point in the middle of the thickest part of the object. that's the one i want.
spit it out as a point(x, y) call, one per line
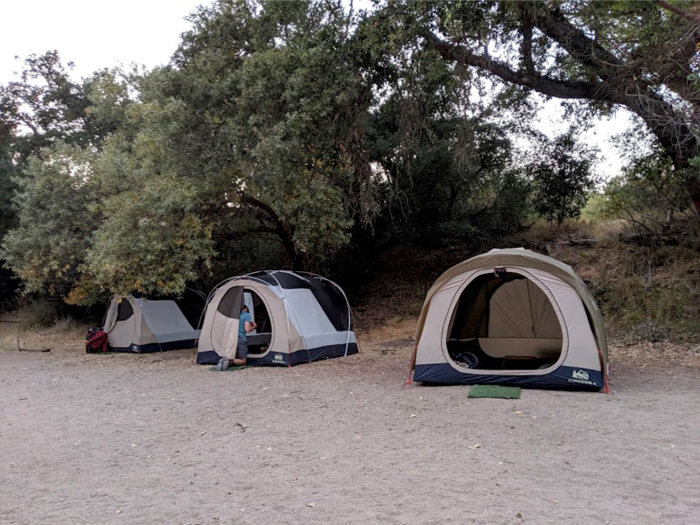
point(514, 317)
point(138, 324)
point(301, 317)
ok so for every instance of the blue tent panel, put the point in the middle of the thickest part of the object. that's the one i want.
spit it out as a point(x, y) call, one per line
point(564, 377)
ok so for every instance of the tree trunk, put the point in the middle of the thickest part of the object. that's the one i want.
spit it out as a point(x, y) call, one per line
point(693, 186)
point(298, 263)
point(295, 255)
point(270, 222)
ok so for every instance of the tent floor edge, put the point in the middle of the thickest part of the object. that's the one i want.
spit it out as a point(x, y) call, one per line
point(209, 357)
point(563, 378)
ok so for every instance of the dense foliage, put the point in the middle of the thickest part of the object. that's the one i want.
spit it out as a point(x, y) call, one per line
point(562, 179)
point(305, 135)
point(601, 55)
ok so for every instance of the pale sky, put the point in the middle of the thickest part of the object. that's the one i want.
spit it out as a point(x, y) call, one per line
point(552, 122)
point(95, 34)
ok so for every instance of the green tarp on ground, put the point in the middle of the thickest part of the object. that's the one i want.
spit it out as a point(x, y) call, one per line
point(505, 392)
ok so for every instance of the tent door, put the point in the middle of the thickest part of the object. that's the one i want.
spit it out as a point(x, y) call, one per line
point(260, 339)
point(504, 321)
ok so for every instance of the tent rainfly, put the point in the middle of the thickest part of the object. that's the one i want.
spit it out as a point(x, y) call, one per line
point(301, 317)
point(511, 317)
point(137, 324)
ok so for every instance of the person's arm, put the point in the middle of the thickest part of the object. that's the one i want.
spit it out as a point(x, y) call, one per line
point(249, 326)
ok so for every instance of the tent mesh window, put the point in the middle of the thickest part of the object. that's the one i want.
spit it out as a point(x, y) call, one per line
point(504, 321)
point(333, 303)
point(124, 310)
point(259, 342)
point(231, 303)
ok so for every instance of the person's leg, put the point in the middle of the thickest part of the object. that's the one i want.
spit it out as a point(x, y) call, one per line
point(222, 365)
point(241, 353)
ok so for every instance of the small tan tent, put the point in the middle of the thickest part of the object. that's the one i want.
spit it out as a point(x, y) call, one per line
point(137, 324)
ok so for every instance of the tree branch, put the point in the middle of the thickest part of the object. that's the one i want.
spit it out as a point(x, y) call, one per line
point(545, 85)
point(675, 72)
point(617, 82)
point(526, 46)
point(687, 15)
point(554, 24)
point(286, 234)
point(246, 198)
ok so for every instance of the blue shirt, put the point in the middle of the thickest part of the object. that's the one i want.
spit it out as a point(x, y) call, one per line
point(245, 316)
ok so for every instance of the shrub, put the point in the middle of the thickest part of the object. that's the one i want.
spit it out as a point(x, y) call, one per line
point(40, 313)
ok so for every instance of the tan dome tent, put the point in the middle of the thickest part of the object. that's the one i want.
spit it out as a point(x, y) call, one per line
point(137, 324)
point(512, 317)
point(301, 318)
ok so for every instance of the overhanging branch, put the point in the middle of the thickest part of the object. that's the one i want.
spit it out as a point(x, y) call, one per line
point(542, 84)
point(276, 226)
point(257, 203)
point(574, 41)
point(687, 15)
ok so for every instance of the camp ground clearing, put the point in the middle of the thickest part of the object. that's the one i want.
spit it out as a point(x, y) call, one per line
point(153, 438)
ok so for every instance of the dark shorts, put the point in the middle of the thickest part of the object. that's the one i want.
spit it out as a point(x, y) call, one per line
point(241, 349)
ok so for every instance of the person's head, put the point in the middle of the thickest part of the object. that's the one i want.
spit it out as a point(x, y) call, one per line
point(245, 309)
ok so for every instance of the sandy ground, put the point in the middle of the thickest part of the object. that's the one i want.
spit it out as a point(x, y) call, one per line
point(129, 439)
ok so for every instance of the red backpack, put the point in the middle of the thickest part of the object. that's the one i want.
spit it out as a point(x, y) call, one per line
point(95, 341)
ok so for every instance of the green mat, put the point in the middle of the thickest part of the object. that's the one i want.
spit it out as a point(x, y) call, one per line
point(230, 368)
point(505, 392)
